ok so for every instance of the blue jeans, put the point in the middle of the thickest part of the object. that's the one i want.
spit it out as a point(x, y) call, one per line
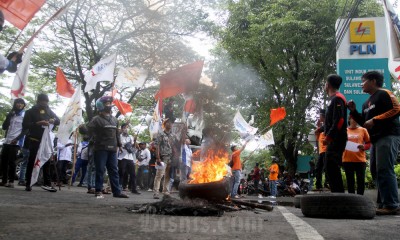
point(384, 158)
point(107, 159)
point(185, 171)
point(273, 187)
point(25, 157)
point(236, 181)
point(80, 163)
point(310, 187)
point(91, 174)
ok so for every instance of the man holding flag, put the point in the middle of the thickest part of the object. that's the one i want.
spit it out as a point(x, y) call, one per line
point(10, 62)
point(35, 121)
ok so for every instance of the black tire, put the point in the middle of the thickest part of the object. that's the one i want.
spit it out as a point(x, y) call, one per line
point(297, 200)
point(337, 206)
point(214, 191)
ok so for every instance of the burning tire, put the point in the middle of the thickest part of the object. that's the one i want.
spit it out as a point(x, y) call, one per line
point(337, 205)
point(213, 191)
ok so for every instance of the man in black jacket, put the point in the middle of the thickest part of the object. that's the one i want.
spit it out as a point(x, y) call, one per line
point(380, 116)
point(335, 129)
point(103, 128)
point(35, 120)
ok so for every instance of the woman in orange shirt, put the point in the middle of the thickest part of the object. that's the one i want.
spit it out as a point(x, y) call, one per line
point(356, 162)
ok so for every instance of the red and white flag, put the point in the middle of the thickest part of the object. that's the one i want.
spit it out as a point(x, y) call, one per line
point(44, 153)
point(393, 31)
point(18, 88)
point(155, 123)
point(101, 71)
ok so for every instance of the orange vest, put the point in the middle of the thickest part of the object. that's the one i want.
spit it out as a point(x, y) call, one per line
point(321, 146)
point(358, 135)
point(237, 164)
point(273, 172)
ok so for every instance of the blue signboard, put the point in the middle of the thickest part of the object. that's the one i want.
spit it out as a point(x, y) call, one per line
point(351, 71)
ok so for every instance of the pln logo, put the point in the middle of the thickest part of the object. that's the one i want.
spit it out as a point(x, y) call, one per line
point(362, 32)
point(362, 37)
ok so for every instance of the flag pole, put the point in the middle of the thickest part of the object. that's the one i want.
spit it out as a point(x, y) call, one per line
point(12, 45)
point(74, 159)
point(55, 15)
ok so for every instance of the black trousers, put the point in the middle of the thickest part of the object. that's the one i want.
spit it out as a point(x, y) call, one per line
point(126, 166)
point(319, 170)
point(152, 175)
point(357, 168)
point(333, 158)
point(8, 159)
point(62, 166)
point(33, 149)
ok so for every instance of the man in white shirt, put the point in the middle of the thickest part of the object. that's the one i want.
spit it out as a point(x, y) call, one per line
point(126, 160)
point(186, 163)
point(64, 158)
point(143, 159)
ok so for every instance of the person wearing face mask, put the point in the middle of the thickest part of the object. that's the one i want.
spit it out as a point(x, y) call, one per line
point(10, 62)
point(35, 121)
point(103, 128)
point(13, 141)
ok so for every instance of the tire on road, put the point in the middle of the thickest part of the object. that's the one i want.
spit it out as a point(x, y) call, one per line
point(213, 191)
point(297, 200)
point(337, 206)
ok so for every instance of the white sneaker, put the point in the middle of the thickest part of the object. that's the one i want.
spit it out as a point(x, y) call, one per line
point(150, 190)
point(236, 196)
point(260, 196)
point(49, 188)
point(272, 196)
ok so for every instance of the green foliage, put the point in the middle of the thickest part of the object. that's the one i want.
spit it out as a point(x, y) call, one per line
point(262, 157)
point(275, 54)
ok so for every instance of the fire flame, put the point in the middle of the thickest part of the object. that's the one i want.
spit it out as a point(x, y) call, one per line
point(212, 169)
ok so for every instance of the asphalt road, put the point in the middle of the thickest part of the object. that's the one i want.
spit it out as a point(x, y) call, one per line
point(74, 214)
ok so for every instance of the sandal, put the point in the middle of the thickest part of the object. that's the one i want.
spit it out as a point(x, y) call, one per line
point(91, 191)
point(104, 191)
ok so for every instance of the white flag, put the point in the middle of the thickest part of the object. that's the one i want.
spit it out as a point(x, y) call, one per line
point(245, 130)
point(101, 71)
point(43, 154)
point(72, 117)
point(131, 77)
point(18, 87)
point(267, 138)
point(393, 31)
point(155, 123)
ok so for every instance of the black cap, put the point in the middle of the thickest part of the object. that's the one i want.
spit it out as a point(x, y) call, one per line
point(42, 97)
point(322, 111)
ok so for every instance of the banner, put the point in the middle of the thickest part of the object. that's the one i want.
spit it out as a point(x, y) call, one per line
point(72, 117)
point(155, 123)
point(245, 130)
point(18, 88)
point(44, 153)
point(266, 139)
point(131, 77)
point(101, 71)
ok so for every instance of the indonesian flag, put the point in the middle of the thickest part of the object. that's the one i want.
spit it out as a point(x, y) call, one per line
point(43, 154)
point(101, 71)
point(123, 107)
point(20, 12)
point(277, 114)
point(72, 117)
point(245, 130)
point(180, 80)
point(393, 31)
point(155, 123)
point(131, 77)
point(63, 87)
point(18, 88)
